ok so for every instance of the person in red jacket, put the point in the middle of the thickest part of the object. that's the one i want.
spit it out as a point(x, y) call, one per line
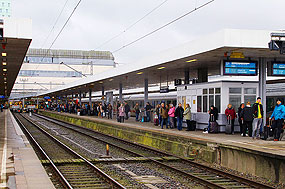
point(231, 114)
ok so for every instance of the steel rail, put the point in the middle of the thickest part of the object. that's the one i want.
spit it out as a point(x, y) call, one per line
point(106, 177)
point(237, 178)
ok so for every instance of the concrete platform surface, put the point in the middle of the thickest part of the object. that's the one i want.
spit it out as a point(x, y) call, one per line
point(270, 147)
point(20, 166)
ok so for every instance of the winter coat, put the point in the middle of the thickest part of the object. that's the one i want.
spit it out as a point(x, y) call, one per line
point(231, 112)
point(247, 113)
point(127, 108)
point(179, 112)
point(255, 109)
point(121, 111)
point(148, 107)
point(164, 112)
point(279, 112)
point(137, 109)
point(171, 112)
point(187, 113)
point(215, 113)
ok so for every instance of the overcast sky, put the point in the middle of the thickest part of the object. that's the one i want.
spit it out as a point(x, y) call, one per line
point(96, 21)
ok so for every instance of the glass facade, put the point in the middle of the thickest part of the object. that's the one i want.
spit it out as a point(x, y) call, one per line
point(43, 73)
point(5, 8)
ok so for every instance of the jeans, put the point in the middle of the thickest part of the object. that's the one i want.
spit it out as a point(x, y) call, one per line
point(137, 116)
point(171, 122)
point(277, 127)
point(164, 120)
point(147, 116)
point(256, 127)
point(247, 125)
point(179, 123)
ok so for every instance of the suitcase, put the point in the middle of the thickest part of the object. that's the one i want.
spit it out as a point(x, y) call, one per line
point(214, 127)
point(192, 125)
point(228, 129)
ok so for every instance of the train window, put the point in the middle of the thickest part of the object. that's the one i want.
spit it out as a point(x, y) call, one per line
point(199, 103)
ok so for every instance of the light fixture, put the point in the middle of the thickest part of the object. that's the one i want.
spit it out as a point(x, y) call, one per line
point(4, 70)
point(5, 82)
point(4, 54)
point(140, 73)
point(110, 79)
point(193, 60)
point(4, 63)
point(161, 68)
point(101, 82)
point(5, 78)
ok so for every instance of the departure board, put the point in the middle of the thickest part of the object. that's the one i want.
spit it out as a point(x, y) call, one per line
point(278, 69)
point(240, 68)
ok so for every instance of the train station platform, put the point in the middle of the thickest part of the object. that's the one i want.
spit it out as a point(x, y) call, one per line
point(20, 166)
point(243, 154)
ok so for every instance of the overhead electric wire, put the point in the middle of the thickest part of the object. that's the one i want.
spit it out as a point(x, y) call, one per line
point(62, 29)
point(132, 25)
point(165, 25)
point(57, 19)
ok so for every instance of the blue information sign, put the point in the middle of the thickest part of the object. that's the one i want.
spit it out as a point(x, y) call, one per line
point(2, 96)
point(240, 68)
point(278, 68)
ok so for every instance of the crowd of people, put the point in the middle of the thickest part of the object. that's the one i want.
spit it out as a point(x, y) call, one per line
point(249, 116)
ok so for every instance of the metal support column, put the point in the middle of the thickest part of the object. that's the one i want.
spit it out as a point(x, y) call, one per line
point(23, 102)
point(145, 91)
point(90, 98)
point(37, 102)
point(262, 83)
point(72, 99)
point(103, 95)
point(186, 73)
point(80, 98)
point(120, 92)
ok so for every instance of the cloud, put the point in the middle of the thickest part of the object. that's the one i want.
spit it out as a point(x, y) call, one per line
point(97, 21)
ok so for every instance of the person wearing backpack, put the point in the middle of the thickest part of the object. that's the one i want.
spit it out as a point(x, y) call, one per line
point(179, 114)
point(247, 118)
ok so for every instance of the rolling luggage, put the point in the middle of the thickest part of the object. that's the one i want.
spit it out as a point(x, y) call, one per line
point(214, 127)
point(155, 120)
point(228, 129)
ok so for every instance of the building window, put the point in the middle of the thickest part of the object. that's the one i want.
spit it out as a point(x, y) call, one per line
point(7, 10)
point(3, 4)
point(249, 95)
point(0, 10)
point(8, 4)
point(235, 90)
point(199, 104)
point(218, 102)
point(211, 100)
point(205, 103)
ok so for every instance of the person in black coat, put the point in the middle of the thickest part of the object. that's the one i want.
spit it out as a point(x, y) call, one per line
point(127, 110)
point(179, 114)
point(247, 118)
point(241, 124)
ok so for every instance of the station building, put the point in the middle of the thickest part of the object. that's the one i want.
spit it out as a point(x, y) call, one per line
point(44, 69)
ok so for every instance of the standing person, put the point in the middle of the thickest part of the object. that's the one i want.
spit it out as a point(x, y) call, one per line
point(137, 111)
point(278, 116)
point(247, 117)
point(258, 116)
point(171, 114)
point(1, 107)
point(148, 108)
point(164, 115)
point(110, 111)
point(240, 121)
point(122, 113)
point(127, 110)
point(157, 112)
point(187, 116)
point(179, 113)
point(231, 115)
point(213, 116)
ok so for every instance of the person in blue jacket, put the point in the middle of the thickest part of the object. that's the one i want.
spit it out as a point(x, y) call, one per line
point(278, 119)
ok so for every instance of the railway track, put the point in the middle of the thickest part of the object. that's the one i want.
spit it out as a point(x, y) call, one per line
point(79, 174)
point(207, 176)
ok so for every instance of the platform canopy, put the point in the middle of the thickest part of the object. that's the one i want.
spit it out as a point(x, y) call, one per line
point(205, 52)
point(16, 39)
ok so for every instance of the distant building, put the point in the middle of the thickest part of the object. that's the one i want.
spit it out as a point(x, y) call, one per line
point(43, 69)
point(5, 8)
